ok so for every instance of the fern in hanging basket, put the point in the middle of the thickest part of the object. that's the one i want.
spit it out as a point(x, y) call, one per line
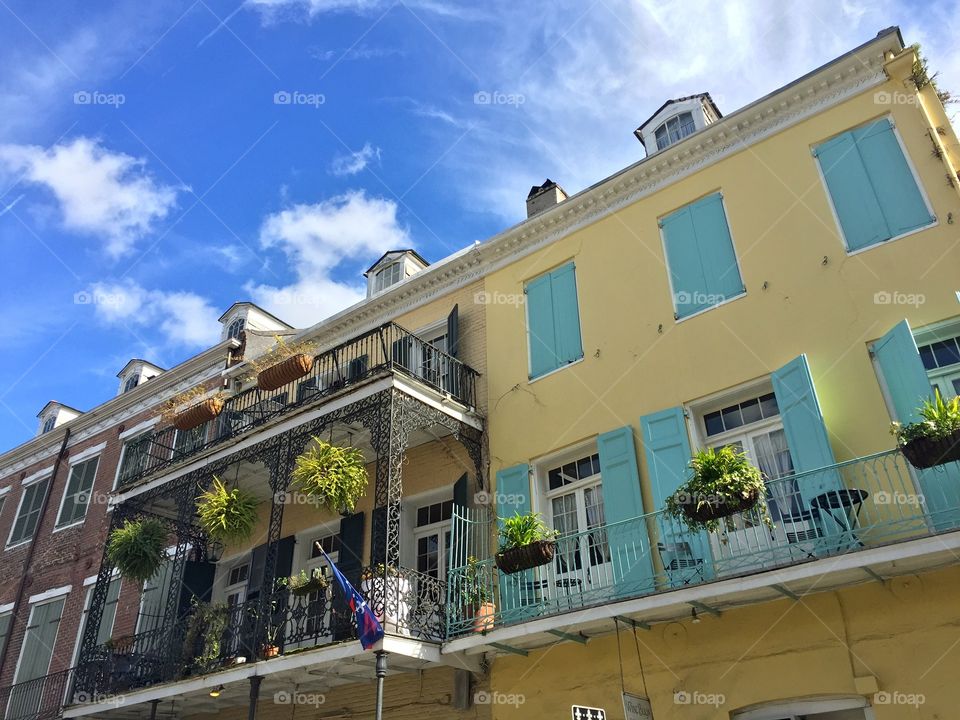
point(227, 515)
point(137, 548)
point(334, 477)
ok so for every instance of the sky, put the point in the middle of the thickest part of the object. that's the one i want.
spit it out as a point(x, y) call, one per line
point(160, 161)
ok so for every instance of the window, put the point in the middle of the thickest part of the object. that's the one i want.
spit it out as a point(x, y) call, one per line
point(35, 654)
point(390, 275)
point(553, 320)
point(49, 424)
point(874, 193)
point(235, 328)
point(575, 499)
point(4, 626)
point(318, 620)
point(674, 129)
point(941, 360)
point(76, 497)
point(236, 590)
point(105, 631)
point(28, 514)
point(131, 382)
point(133, 458)
point(700, 256)
point(432, 536)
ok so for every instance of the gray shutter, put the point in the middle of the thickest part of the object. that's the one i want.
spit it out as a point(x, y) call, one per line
point(453, 332)
point(105, 631)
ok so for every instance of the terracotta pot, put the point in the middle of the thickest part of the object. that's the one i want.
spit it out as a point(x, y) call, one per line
point(926, 452)
point(717, 509)
point(526, 556)
point(285, 371)
point(271, 651)
point(483, 618)
point(198, 414)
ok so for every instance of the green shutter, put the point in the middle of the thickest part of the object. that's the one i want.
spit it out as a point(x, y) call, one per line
point(105, 631)
point(668, 455)
point(907, 386)
point(700, 256)
point(29, 514)
point(553, 320)
point(77, 495)
point(518, 592)
point(622, 503)
point(35, 654)
point(566, 314)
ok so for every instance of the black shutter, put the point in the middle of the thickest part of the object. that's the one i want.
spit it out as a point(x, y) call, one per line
point(357, 368)
point(460, 491)
point(378, 530)
point(401, 353)
point(197, 583)
point(453, 332)
point(258, 563)
point(350, 563)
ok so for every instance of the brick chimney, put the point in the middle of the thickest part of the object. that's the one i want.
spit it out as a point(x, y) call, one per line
point(543, 197)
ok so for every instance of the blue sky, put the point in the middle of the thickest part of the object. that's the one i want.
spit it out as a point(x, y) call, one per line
point(159, 161)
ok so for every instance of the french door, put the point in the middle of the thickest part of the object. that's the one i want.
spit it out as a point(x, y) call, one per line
point(583, 554)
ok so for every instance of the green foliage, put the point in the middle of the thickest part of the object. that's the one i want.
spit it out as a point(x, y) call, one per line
point(304, 582)
point(922, 76)
point(721, 478)
point(335, 477)
point(525, 529)
point(474, 590)
point(940, 420)
point(208, 622)
point(227, 515)
point(137, 548)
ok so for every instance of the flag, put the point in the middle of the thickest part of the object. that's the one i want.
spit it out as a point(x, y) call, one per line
point(368, 627)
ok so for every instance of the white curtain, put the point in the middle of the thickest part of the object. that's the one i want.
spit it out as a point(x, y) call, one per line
point(773, 457)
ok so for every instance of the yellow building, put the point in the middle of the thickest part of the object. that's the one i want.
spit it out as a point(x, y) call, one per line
point(783, 280)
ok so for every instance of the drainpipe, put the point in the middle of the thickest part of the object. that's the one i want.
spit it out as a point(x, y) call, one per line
point(29, 559)
point(255, 681)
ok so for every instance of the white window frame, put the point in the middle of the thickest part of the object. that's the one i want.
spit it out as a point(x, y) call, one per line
point(80, 459)
point(33, 605)
point(665, 125)
point(379, 282)
point(803, 708)
point(88, 588)
point(24, 486)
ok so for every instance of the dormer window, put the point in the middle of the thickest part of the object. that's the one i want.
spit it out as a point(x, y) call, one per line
point(675, 129)
point(390, 275)
point(131, 382)
point(49, 424)
point(236, 327)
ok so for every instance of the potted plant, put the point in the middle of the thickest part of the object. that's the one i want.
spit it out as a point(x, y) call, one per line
point(724, 483)
point(476, 595)
point(525, 543)
point(203, 641)
point(192, 408)
point(283, 363)
point(137, 548)
point(934, 440)
point(227, 515)
point(335, 477)
point(390, 602)
point(304, 583)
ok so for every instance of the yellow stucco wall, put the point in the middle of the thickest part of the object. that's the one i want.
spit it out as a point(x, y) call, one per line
point(904, 633)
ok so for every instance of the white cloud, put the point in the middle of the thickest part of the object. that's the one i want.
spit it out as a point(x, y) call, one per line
point(102, 193)
point(354, 162)
point(316, 239)
point(273, 10)
point(183, 318)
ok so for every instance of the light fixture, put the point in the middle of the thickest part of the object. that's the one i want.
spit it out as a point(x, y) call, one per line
point(693, 615)
point(215, 692)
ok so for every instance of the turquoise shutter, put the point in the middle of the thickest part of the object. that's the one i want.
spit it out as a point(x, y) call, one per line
point(517, 591)
point(896, 188)
point(805, 430)
point(622, 503)
point(668, 455)
point(854, 200)
point(683, 262)
point(541, 334)
point(907, 386)
point(717, 255)
point(566, 314)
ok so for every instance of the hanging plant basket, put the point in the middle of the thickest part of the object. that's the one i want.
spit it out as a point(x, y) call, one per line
point(925, 452)
point(226, 515)
point(198, 414)
point(285, 371)
point(335, 477)
point(718, 509)
point(526, 557)
point(137, 548)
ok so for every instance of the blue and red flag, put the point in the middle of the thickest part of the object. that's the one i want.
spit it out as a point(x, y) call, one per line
point(368, 627)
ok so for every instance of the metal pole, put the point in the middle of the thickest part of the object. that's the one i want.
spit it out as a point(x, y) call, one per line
point(255, 681)
point(381, 674)
point(153, 709)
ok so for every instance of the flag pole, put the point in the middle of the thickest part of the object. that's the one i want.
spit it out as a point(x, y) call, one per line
point(381, 674)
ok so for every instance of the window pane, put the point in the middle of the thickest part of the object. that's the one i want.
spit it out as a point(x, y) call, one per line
point(926, 355)
point(554, 479)
point(584, 467)
point(731, 417)
point(713, 423)
point(946, 352)
point(750, 410)
point(768, 404)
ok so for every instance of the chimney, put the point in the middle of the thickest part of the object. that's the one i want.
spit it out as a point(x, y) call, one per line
point(543, 197)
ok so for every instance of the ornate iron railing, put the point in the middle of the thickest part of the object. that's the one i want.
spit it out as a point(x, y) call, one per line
point(208, 638)
point(838, 509)
point(40, 699)
point(388, 348)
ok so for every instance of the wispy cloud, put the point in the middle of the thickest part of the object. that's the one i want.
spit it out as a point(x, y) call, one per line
point(354, 162)
point(276, 10)
point(359, 52)
point(102, 193)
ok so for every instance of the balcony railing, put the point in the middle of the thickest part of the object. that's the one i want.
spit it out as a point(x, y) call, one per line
point(40, 699)
point(206, 639)
point(834, 510)
point(388, 348)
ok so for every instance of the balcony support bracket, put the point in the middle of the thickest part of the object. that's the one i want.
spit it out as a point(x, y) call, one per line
point(785, 592)
point(509, 649)
point(633, 623)
point(705, 608)
point(577, 638)
point(874, 575)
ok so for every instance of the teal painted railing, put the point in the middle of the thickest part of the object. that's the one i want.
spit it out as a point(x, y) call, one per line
point(826, 512)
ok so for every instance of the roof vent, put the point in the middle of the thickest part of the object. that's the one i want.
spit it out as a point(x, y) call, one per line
point(543, 197)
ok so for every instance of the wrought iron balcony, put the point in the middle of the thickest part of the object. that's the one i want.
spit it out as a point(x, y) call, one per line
point(386, 349)
point(209, 638)
point(843, 508)
point(40, 699)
